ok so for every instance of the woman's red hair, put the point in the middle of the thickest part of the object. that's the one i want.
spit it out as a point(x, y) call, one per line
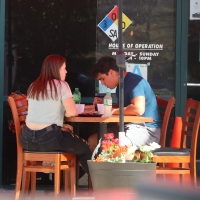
point(50, 71)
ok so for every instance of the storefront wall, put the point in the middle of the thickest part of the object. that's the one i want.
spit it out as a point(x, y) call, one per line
point(155, 43)
point(148, 40)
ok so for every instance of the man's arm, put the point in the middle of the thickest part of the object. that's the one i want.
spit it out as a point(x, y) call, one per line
point(137, 107)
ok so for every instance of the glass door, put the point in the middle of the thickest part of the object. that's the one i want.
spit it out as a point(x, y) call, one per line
point(193, 79)
point(193, 75)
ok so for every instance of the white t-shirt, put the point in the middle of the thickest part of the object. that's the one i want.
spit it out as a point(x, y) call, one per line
point(49, 111)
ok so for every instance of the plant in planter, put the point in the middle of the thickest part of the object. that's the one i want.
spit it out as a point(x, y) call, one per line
point(111, 150)
point(110, 170)
point(144, 153)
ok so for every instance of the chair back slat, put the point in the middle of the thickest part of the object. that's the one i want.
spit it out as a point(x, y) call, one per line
point(191, 122)
point(19, 107)
point(188, 133)
point(191, 115)
point(20, 103)
point(165, 109)
point(22, 119)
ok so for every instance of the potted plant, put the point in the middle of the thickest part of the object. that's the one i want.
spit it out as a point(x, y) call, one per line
point(144, 153)
point(110, 169)
point(111, 150)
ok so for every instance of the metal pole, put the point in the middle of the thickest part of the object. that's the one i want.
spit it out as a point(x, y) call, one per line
point(2, 100)
point(9, 56)
point(120, 59)
point(120, 25)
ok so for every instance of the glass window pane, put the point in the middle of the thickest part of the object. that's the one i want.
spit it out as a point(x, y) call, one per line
point(148, 39)
point(39, 28)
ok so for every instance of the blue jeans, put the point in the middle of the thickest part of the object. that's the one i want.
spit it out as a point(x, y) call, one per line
point(52, 138)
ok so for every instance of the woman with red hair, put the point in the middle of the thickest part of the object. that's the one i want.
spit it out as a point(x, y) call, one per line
point(49, 100)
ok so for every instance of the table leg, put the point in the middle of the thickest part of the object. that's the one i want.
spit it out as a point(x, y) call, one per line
point(76, 131)
point(102, 130)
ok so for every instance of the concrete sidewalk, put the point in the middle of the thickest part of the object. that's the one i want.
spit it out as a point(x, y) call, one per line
point(82, 194)
point(144, 192)
point(48, 194)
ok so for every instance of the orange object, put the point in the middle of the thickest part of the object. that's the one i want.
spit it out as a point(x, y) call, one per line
point(176, 134)
point(175, 142)
point(176, 138)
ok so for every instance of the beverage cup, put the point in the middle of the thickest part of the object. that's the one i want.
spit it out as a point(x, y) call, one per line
point(100, 108)
point(80, 108)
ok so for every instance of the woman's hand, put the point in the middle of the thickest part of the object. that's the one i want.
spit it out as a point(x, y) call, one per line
point(67, 128)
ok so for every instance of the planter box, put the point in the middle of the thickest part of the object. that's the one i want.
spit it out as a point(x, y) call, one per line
point(106, 175)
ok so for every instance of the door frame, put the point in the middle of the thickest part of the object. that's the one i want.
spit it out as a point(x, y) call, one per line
point(2, 41)
point(182, 7)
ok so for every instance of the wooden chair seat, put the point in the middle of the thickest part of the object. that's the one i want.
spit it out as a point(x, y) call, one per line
point(43, 152)
point(30, 162)
point(171, 151)
point(163, 170)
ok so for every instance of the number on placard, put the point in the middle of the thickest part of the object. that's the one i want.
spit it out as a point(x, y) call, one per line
point(114, 17)
point(105, 24)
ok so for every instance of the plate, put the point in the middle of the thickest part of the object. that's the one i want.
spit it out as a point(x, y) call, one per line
point(90, 115)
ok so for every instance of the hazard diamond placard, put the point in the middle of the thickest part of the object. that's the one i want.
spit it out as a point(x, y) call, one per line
point(109, 25)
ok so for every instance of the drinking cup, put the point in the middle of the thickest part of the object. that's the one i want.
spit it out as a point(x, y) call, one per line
point(80, 108)
point(100, 108)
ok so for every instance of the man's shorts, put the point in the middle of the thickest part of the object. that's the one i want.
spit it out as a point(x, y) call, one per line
point(138, 133)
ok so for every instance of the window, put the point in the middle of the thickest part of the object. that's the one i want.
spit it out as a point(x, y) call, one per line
point(35, 29)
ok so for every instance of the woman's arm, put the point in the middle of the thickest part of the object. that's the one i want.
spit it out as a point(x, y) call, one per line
point(70, 107)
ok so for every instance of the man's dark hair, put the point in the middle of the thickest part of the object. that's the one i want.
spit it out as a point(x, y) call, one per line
point(103, 66)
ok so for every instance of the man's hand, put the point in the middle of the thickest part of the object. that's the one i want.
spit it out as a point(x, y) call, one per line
point(137, 107)
point(115, 111)
point(67, 128)
point(97, 100)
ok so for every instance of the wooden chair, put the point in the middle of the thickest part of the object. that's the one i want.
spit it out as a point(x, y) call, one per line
point(165, 109)
point(29, 162)
point(182, 155)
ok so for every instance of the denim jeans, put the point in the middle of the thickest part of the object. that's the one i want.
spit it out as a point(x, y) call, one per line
point(52, 138)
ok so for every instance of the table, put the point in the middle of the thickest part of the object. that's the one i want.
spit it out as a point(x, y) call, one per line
point(104, 120)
